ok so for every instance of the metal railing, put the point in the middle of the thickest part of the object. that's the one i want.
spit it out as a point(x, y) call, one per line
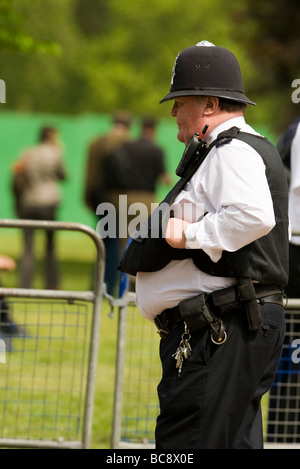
point(138, 372)
point(22, 399)
point(282, 422)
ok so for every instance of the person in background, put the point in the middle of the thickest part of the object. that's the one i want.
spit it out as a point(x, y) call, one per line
point(144, 161)
point(283, 409)
point(97, 189)
point(39, 171)
point(289, 149)
point(7, 325)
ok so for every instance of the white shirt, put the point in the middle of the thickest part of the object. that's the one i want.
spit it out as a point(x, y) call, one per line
point(294, 194)
point(232, 188)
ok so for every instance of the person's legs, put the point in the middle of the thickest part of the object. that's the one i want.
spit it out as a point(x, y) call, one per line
point(112, 260)
point(27, 261)
point(51, 272)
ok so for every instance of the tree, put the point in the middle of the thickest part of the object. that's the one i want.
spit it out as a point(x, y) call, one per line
point(119, 54)
point(271, 38)
point(13, 36)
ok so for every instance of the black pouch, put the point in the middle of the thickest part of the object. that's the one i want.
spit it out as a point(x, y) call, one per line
point(148, 250)
point(145, 252)
point(247, 297)
point(145, 255)
point(195, 312)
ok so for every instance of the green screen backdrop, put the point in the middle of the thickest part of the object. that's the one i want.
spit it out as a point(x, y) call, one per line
point(19, 131)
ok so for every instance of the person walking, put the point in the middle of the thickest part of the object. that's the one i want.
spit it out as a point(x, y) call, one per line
point(289, 149)
point(144, 163)
point(102, 185)
point(41, 169)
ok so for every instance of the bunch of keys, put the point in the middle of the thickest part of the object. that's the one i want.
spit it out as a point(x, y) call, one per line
point(184, 349)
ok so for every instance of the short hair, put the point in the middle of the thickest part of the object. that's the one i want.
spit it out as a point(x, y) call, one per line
point(225, 104)
point(46, 133)
point(149, 122)
point(123, 118)
point(230, 105)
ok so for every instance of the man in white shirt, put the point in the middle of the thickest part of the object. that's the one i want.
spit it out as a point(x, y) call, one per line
point(293, 287)
point(213, 233)
point(217, 298)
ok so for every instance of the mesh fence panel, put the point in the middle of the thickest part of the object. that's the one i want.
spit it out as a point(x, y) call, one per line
point(43, 382)
point(283, 422)
point(141, 372)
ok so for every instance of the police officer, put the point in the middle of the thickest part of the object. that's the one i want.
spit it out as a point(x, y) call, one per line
point(213, 283)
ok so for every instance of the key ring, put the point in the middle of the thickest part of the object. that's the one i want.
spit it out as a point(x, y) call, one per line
point(186, 333)
point(218, 335)
point(220, 341)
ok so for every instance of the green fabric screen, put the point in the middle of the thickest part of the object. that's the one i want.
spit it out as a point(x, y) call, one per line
point(19, 130)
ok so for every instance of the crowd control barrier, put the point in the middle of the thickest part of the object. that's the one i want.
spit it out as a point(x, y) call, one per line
point(138, 372)
point(283, 418)
point(48, 369)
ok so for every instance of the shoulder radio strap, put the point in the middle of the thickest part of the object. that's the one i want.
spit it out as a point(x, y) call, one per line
point(196, 161)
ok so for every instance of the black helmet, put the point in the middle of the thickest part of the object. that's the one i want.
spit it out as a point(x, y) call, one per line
point(207, 70)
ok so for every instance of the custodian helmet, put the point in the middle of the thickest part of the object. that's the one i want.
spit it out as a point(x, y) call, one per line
point(207, 70)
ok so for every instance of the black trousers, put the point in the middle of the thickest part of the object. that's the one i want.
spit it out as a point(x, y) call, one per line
point(215, 403)
point(28, 261)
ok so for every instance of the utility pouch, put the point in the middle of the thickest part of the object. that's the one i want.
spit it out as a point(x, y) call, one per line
point(148, 253)
point(247, 297)
point(195, 312)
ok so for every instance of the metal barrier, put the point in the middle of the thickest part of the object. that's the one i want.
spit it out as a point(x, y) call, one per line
point(283, 418)
point(48, 371)
point(138, 372)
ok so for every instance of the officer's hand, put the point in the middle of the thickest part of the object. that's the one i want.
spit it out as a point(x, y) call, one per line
point(174, 233)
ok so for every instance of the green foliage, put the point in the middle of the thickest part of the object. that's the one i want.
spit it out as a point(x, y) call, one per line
point(103, 55)
point(270, 35)
point(13, 36)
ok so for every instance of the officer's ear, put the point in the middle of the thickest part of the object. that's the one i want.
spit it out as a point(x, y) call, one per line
point(212, 104)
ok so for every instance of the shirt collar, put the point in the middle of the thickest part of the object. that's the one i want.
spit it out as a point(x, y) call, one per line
point(234, 122)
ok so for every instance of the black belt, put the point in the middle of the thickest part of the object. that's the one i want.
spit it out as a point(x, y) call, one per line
point(221, 302)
